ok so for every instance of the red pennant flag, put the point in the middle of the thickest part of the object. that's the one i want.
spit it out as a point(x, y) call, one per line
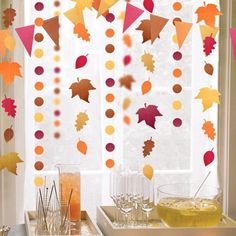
point(232, 32)
point(51, 26)
point(26, 34)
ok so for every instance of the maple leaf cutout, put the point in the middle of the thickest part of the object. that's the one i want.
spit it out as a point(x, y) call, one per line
point(126, 81)
point(8, 17)
point(81, 88)
point(81, 120)
point(208, 44)
point(9, 70)
point(9, 106)
point(208, 13)
point(82, 32)
point(208, 96)
point(148, 62)
point(209, 129)
point(148, 114)
point(9, 161)
point(148, 147)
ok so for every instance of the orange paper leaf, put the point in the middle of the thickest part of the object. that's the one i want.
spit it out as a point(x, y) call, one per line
point(127, 40)
point(209, 129)
point(82, 147)
point(146, 87)
point(82, 32)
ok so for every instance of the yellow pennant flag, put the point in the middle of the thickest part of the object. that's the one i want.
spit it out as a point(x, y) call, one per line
point(182, 31)
point(105, 5)
point(75, 15)
point(207, 31)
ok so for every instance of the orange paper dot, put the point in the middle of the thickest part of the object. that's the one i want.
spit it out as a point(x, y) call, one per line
point(38, 21)
point(110, 33)
point(57, 80)
point(38, 181)
point(177, 6)
point(57, 123)
point(110, 163)
point(39, 150)
point(177, 72)
point(38, 86)
point(110, 97)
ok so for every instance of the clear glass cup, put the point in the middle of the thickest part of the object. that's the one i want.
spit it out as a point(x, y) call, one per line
point(177, 206)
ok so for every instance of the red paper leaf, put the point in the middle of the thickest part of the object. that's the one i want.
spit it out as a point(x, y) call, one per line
point(9, 106)
point(81, 61)
point(127, 60)
point(148, 5)
point(208, 45)
point(209, 157)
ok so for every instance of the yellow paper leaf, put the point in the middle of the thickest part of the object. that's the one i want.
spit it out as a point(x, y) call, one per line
point(148, 61)
point(148, 171)
point(81, 120)
point(9, 161)
point(126, 103)
point(3, 35)
point(10, 43)
point(208, 96)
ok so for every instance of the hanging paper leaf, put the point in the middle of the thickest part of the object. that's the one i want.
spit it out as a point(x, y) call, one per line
point(208, 96)
point(9, 106)
point(127, 60)
point(146, 86)
point(81, 61)
point(10, 161)
point(121, 16)
point(81, 120)
point(207, 30)
point(127, 40)
point(209, 69)
point(208, 14)
point(9, 16)
point(126, 103)
point(10, 43)
point(209, 157)
point(126, 81)
point(148, 147)
point(208, 45)
point(3, 35)
point(148, 5)
point(148, 171)
point(9, 70)
point(81, 88)
point(8, 134)
point(209, 129)
point(82, 147)
point(82, 32)
point(148, 114)
point(148, 61)
point(127, 120)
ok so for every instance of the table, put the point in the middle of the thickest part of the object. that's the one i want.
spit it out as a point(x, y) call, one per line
point(17, 230)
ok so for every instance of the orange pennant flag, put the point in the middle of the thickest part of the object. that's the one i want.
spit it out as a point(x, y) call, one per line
point(182, 31)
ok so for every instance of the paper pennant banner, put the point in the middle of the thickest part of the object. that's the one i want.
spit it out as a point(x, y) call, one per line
point(3, 35)
point(75, 16)
point(182, 31)
point(208, 31)
point(132, 13)
point(51, 26)
point(26, 34)
point(232, 32)
point(105, 5)
point(96, 4)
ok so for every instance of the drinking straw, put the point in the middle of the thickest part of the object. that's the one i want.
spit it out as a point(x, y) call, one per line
point(49, 200)
point(64, 221)
point(199, 188)
point(55, 188)
point(45, 220)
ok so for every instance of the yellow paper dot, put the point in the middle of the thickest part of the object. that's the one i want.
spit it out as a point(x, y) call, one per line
point(57, 13)
point(38, 53)
point(57, 58)
point(110, 129)
point(110, 65)
point(175, 39)
point(177, 105)
point(38, 117)
point(38, 181)
point(57, 101)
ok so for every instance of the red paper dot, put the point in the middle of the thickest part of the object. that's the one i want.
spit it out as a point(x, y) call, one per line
point(110, 82)
point(177, 122)
point(110, 147)
point(39, 134)
point(177, 56)
point(57, 113)
point(57, 70)
point(39, 70)
point(38, 6)
point(110, 17)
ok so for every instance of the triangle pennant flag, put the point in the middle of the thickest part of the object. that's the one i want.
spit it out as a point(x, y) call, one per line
point(3, 34)
point(182, 31)
point(232, 32)
point(75, 16)
point(105, 5)
point(132, 13)
point(157, 25)
point(26, 34)
point(208, 31)
point(51, 26)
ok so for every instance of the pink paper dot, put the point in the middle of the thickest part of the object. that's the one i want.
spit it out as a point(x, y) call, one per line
point(39, 134)
point(177, 122)
point(110, 82)
point(177, 56)
point(110, 17)
point(57, 70)
point(57, 113)
point(110, 147)
point(38, 6)
point(39, 70)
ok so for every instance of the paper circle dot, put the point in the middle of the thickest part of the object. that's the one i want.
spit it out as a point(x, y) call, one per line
point(177, 122)
point(177, 105)
point(38, 6)
point(38, 181)
point(38, 53)
point(39, 70)
point(38, 21)
point(177, 6)
point(57, 4)
point(57, 70)
point(57, 90)
point(38, 165)
point(38, 37)
point(109, 113)
point(57, 135)
point(57, 123)
point(38, 117)
point(177, 72)
point(57, 113)
point(110, 163)
point(175, 39)
point(110, 97)
point(57, 80)
point(110, 130)
point(38, 101)
point(110, 147)
point(110, 65)
point(57, 58)
point(110, 48)
point(38, 86)
point(39, 134)
point(177, 88)
point(57, 101)
point(110, 17)
point(110, 82)
point(39, 150)
point(110, 33)
point(176, 19)
point(57, 13)
point(177, 56)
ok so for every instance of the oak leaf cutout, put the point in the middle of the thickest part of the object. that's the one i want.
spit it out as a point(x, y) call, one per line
point(9, 70)
point(9, 16)
point(9, 161)
point(82, 32)
point(8, 134)
point(9, 106)
point(148, 147)
point(148, 61)
point(208, 44)
point(209, 129)
point(82, 88)
point(208, 96)
point(126, 81)
point(81, 120)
